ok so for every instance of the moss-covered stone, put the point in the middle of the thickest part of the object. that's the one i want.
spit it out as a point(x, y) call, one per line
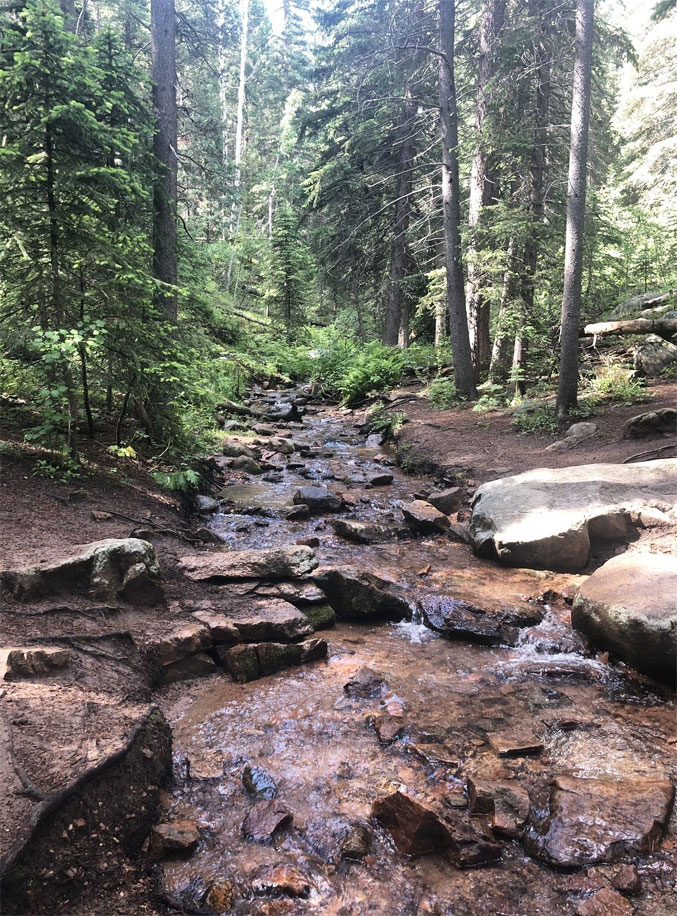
point(320, 616)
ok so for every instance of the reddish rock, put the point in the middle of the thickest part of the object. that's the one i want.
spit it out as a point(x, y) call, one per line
point(182, 641)
point(605, 903)
point(505, 801)
point(387, 727)
point(516, 740)
point(265, 818)
point(173, 838)
point(599, 820)
point(365, 683)
point(415, 829)
point(627, 880)
point(198, 665)
point(222, 629)
point(423, 517)
point(31, 661)
point(447, 501)
point(281, 881)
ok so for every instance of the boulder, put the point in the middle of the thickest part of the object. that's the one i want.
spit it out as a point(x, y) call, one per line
point(629, 607)
point(274, 563)
point(182, 641)
point(515, 739)
point(232, 449)
point(423, 517)
point(576, 434)
point(651, 423)
point(250, 662)
point(447, 501)
point(456, 618)
point(206, 504)
point(274, 620)
point(588, 821)
point(17, 663)
point(549, 516)
point(357, 594)
point(653, 354)
point(365, 683)
point(297, 593)
point(320, 616)
point(221, 628)
point(99, 568)
point(381, 480)
point(318, 500)
point(247, 465)
point(505, 801)
point(265, 818)
point(280, 444)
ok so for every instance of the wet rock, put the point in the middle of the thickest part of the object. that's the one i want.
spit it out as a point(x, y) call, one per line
point(628, 606)
point(174, 838)
point(355, 594)
point(180, 642)
point(242, 662)
point(297, 593)
point(515, 740)
point(505, 801)
point(459, 533)
point(259, 783)
point(365, 683)
point(416, 830)
point(548, 517)
point(99, 568)
point(455, 618)
point(423, 517)
point(318, 500)
point(374, 440)
point(220, 896)
point(356, 844)
point(198, 665)
point(247, 663)
point(263, 430)
point(320, 616)
point(275, 563)
point(627, 880)
point(274, 620)
point(388, 728)
point(246, 465)
point(651, 423)
point(265, 818)
point(222, 629)
point(586, 821)
point(653, 354)
point(206, 504)
point(284, 413)
point(362, 532)
point(281, 445)
point(281, 881)
point(31, 661)
point(435, 754)
point(206, 535)
point(447, 501)
point(605, 903)
point(381, 480)
point(295, 513)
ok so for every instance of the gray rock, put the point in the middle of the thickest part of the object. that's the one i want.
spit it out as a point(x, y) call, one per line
point(29, 662)
point(180, 642)
point(423, 517)
point(233, 449)
point(248, 465)
point(318, 500)
point(651, 423)
point(548, 517)
point(99, 568)
point(629, 607)
point(381, 480)
point(576, 434)
point(374, 440)
point(355, 594)
point(653, 354)
point(275, 563)
point(447, 501)
point(198, 665)
point(490, 625)
point(362, 532)
point(206, 504)
point(273, 620)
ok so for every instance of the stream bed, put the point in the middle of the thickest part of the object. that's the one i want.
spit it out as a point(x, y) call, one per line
point(550, 769)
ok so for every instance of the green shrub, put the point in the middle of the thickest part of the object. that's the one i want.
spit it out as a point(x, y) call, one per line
point(385, 422)
point(540, 421)
point(180, 481)
point(613, 382)
point(442, 393)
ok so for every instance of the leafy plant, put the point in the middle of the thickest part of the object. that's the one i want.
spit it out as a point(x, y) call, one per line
point(122, 451)
point(181, 481)
point(65, 469)
point(442, 393)
point(385, 422)
point(538, 421)
point(615, 383)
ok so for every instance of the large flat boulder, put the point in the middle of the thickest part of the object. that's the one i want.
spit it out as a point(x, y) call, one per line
point(126, 567)
point(629, 606)
point(357, 594)
point(276, 563)
point(549, 516)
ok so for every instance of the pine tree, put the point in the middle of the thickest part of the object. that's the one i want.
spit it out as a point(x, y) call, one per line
point(289, 273)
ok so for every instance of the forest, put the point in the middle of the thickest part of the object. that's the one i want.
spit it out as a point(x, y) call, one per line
point(204, 194)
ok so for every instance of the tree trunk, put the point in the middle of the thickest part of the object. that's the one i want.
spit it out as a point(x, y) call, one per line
point(451, 205)
point(567, 392)
point(396, 321)
point(500, 351)
point(239, 130)
point(483, 183)
point(543, 68)
point(163, 38)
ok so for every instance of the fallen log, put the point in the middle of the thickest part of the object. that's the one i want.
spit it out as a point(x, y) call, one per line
point(664, 327)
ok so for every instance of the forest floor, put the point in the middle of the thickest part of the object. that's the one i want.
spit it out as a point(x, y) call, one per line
point(58, 728)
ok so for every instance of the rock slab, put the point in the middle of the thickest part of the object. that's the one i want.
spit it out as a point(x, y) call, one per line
point(276, 563)
point(549, 516)
point(629, 607)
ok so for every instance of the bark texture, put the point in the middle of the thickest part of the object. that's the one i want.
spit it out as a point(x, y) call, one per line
point(567, 392)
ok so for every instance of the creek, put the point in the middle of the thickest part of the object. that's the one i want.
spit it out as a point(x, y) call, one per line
point(475, 731)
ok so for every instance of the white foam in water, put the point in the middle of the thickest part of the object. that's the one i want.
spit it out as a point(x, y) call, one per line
point(416, 633)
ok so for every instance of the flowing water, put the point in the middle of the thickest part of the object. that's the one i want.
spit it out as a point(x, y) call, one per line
point(446, 702)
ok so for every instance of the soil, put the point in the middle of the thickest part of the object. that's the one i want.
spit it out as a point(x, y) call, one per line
point(57, 728)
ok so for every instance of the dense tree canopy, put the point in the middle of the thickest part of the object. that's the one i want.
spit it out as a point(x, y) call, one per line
point(312, 145)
